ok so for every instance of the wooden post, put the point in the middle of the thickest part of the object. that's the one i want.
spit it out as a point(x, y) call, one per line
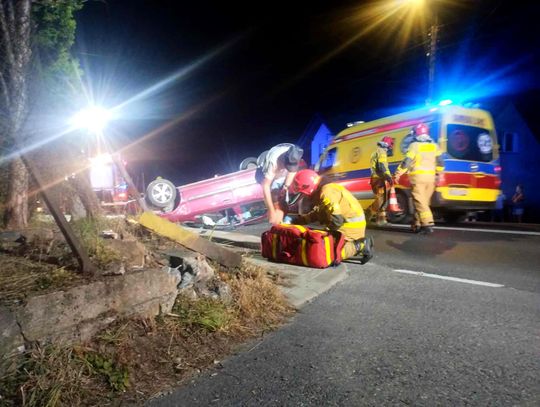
point(432, 58)
point(192, 241)
point(78, 250)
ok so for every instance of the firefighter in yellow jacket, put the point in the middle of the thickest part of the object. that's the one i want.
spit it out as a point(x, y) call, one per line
point(337, 209)
point(380, 176)
point(423, 162)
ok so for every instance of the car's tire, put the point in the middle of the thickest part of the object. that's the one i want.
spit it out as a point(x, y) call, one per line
point(405, 216)
point(261, 157)
point(161, 193)
point(248, 163)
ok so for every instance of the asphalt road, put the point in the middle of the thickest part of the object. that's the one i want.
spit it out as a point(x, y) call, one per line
point(502, 254)
point(388, 337)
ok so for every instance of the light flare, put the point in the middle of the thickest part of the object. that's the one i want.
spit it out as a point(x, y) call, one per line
point(85, 119)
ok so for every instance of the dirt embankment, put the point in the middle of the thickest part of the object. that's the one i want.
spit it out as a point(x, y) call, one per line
point(133, 359)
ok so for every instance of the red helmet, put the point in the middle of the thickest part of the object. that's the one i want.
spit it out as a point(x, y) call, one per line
point(420, 129)
point(305, 182)
point(387, 142)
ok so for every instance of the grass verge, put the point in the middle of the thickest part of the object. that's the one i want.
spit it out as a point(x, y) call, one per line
point(135, 359)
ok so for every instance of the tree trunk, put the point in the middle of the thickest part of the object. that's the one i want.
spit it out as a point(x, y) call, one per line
point(16, 52)
point(16, 214)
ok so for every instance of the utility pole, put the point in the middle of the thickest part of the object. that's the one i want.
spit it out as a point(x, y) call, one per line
point(432, 54)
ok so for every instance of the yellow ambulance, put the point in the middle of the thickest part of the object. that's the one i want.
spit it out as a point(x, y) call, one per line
point(466, 136)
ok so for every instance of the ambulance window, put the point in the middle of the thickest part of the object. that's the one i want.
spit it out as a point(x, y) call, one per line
point(328, 160)
point(469, 143)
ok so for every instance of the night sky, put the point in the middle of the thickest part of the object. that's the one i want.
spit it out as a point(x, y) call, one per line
point(243, 77)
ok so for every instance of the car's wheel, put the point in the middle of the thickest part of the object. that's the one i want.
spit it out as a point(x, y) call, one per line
point(261, 157)
point(248, 163)
point(161, 193)
point(405, 204)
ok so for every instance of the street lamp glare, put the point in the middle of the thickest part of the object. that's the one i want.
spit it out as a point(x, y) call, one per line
point(414, 3)
point(93, 118)
point(410, 3)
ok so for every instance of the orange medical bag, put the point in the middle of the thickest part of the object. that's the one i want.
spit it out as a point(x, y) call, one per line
point(300, 245)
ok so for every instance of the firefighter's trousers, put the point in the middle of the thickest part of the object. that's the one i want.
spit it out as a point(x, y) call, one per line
point(377, 186)
point(422, 190)
point(350, 249)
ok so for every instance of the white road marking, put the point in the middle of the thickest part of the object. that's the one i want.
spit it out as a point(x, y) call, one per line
point(456, 279)
point(513, 232)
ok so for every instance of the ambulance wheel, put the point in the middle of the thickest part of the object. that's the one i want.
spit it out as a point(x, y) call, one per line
point(248, 163)
point(404, 217)
point(162, 194)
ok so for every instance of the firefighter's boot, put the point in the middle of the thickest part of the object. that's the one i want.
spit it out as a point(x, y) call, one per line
point(381, 219)
point(426, 230)
point(364, 249)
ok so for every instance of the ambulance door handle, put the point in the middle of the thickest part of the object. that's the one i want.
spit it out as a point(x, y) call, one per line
point(479, 175)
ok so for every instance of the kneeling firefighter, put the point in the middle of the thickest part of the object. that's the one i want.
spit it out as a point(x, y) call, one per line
point(337, 209)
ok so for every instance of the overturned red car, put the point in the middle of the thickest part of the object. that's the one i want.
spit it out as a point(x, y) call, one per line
point(229, 199)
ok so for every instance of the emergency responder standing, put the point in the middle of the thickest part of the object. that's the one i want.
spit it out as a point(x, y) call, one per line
point(423, 162)
point(337, 209)
point(275, 173)
point(380, 178)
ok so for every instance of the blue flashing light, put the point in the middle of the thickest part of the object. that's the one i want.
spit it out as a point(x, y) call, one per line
point(445, 102)
point(483, 77)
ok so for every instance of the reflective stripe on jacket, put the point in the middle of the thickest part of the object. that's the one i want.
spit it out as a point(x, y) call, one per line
point(337, 209)
point(421, 158)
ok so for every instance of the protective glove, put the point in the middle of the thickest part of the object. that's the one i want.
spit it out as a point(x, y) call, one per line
point(289, 220)
point(396, 178)
point(388, 178)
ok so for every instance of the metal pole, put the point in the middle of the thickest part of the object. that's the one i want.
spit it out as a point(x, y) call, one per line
point(432, 58)
point(78, 250)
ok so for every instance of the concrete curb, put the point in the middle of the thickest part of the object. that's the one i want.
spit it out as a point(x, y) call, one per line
point(305, 283)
